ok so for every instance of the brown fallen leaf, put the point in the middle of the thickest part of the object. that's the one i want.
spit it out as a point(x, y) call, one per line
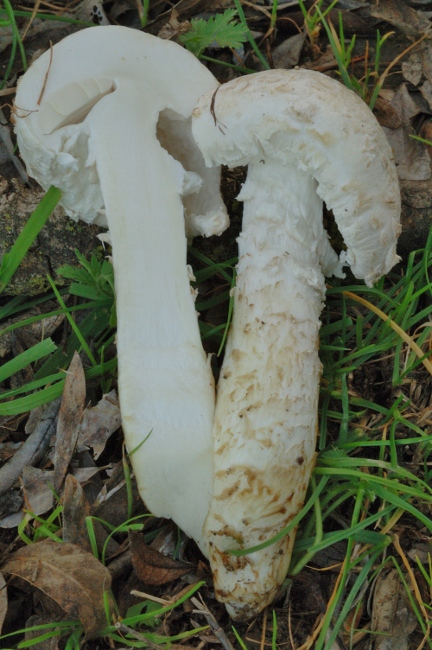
point(174, 27)
point(99, 422)
point(70, 576)
point(75, 510)
point(386, 114)
point(31, 634)
point(36, 496)
point(287, 54)
point(32, 450)
point(69, 420)
point(425, 53)
point(392, 617)
point(3, 601)
point(412, 68)
point(406, 19)
point(411, 158)
point(151, 566)
point(185, 10)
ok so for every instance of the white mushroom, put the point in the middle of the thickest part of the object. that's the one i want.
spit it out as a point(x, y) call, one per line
point(87, 118)
point(306, 138)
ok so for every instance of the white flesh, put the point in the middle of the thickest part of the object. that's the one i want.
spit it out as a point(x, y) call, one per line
point(87, 115)
point(165, 382)
point(61, 87)
point(315, 122)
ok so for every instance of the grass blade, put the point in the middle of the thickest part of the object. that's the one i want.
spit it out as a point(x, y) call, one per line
point(25, 239)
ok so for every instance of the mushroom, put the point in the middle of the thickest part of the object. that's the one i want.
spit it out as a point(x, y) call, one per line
point(106, 117)
point(306, 139)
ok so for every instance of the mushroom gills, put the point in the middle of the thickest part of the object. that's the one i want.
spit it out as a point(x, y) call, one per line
point(72, 103)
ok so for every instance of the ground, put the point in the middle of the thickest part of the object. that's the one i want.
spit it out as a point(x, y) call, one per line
point(71, 521)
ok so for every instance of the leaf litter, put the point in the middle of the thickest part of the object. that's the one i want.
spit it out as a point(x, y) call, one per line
point(85, 477)
point(69, 575)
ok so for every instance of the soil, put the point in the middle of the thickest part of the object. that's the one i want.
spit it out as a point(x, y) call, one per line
point(404, 109)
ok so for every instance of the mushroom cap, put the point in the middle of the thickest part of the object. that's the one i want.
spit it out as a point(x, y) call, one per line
point(314, 122)
point(60, 89)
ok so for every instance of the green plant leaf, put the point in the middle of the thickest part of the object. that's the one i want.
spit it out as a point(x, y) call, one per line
point(24, 359)
point(221, 30)
point(25, 239)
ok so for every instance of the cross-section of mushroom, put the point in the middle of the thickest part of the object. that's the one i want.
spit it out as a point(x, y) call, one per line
point(306, 139)
point(87, 114)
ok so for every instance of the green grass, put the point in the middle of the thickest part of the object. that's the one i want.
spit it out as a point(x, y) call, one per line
point(363, 490)
point(93, 282)
point(359, 469)
point(362, 437)
point(9, 21)
point(363, 441)
point(27, 236)
point(369, 85)
point(137, 628)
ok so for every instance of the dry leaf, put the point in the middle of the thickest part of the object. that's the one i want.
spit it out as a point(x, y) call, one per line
point(392, 619)
point(287, 54)
point(73, 578)
point(407, 20)
point(386, 114)
point(412, 68)
point(174, 27)
point(84, 474)
point(151, 566)
point(425, 51)
point(3, 601)
point(31, 635)
point(69, 420)
point(185, 9)
point(426, 91)
point(99, 422)
point(75, 509)
point(32, 450)
point(411, 157)
point(37, 488)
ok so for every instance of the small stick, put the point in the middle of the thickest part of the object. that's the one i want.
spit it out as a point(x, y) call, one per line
point(33, 448)
point(155, 599)
point(46, 75)
point(136, 635)
point(218, 631)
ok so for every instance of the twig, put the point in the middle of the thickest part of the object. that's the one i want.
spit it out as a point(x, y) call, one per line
point(32, 450)
point(46, 75)
point(201, 608)
point(32, 17)
point(136, 635)
point(154, 599)
point(263, 631)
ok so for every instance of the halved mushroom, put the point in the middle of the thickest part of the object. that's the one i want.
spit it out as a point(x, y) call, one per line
point(306, 138)
point(87, 114)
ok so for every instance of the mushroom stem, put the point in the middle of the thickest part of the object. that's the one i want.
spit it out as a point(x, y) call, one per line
point(106, 117)
point(158, 338)
point(306, 138)
point(266, 412)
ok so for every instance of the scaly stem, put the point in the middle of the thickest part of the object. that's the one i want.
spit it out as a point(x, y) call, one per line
point(267, 402)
